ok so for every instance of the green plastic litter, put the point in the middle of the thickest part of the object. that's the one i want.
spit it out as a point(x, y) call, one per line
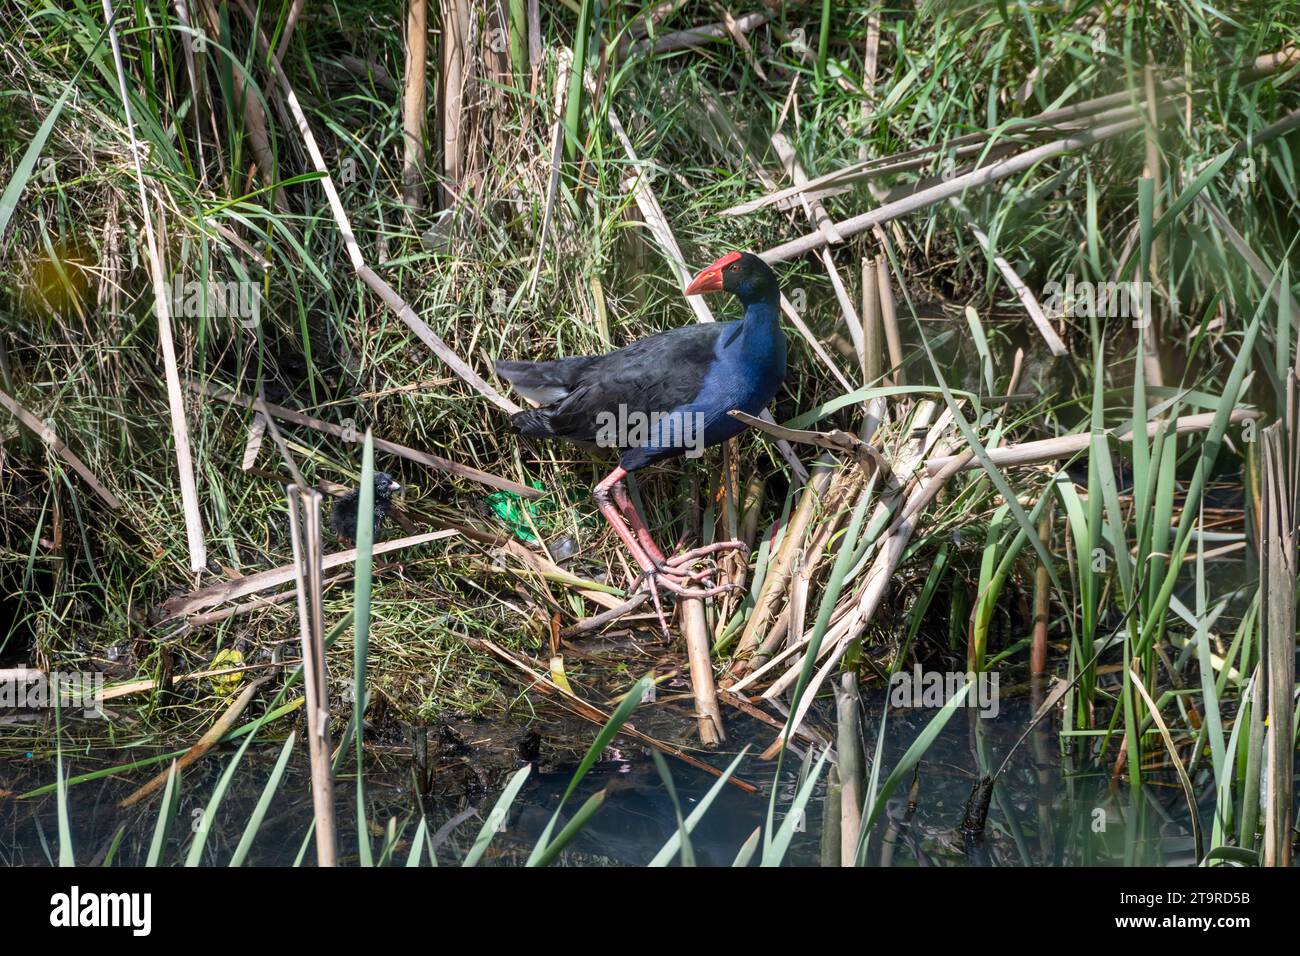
point(545, 513)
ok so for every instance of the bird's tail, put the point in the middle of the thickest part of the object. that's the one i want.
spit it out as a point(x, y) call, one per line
point(533, 423)
point(543, 382)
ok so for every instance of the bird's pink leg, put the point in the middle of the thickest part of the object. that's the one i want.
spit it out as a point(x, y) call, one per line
point(612, 486)
point(675, 569)
point(636, 523)
point(613, 483)
point(678, 565)
point(670, 574)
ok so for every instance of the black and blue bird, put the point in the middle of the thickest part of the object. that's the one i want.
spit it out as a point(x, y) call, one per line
point(684, 381)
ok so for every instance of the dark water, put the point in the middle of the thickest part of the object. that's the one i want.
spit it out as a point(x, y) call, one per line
point(1048, 808)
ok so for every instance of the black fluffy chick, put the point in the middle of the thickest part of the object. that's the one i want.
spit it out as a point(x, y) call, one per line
point(343, 516)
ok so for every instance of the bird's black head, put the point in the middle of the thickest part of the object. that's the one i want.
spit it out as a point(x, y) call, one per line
point(743, 274)
point(385, 486)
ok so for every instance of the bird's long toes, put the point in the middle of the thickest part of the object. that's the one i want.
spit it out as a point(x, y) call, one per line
point(684, 576)
point(683, 591)
point(704, 551)
point(650, 580)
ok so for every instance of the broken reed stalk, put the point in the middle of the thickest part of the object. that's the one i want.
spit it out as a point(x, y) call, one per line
point(840, 442)
point(162, 310)
point(852, 776)
point(540, 563)
point(367, 275)
point(871, 54)
point(596, 622)
point(889, 321)
point(185, 604)
point(873, 329)
point(304, 527)
point(809, 560)
point(695, 629)
point(901, 487)
point(563, 65)
point(1104, 109)
point(889, 554)
point(700, 36)
point(454, 24)
point(1042, 599)
point(819, 217)
point(1108, 110)
point(223, 726)
point(1017, 284)
point(830, 843)
point(1277, 614)
point(413, 104)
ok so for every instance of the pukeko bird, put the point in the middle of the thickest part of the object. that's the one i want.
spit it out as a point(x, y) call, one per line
point(672, 391)
point(343, 516)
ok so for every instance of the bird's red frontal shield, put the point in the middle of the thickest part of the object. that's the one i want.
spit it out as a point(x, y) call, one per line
point(710, 280)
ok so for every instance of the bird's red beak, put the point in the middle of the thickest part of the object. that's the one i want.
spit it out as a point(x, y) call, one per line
point(710, 280)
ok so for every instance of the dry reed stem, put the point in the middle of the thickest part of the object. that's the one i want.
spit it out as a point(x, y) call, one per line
point(696, 632)
point(820, 218)
point(304, 526)
point(381, 444)
point(923, 198)
point(557, 155)
point(1022, 291)
point(1277, 614)
point(779, 569)
point(598, 621)
point(162, 309)
point(413, 104)
point(185, 604)
point(367, 275)
point(873, 329)
point(928, 195)
point(890, 549)
point(849, 753)
point(1049, 449)
point(889, 321)
point(700, 36)
point(540, 563)
point(223, 726)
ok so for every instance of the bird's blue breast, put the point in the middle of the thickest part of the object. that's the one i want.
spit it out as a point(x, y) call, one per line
point(748, 368)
